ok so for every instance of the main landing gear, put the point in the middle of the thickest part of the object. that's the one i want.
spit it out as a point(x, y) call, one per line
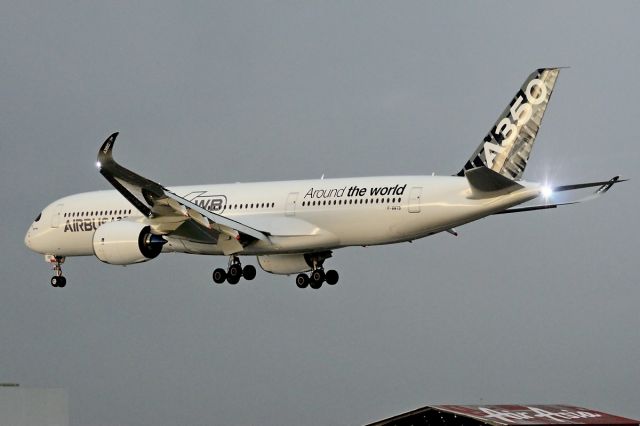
point(317, 275)
point(234, 272)
point(58, 280)
point(316, 278)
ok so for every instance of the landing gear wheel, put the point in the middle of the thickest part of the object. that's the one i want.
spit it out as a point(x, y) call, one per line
point(332, 277)
point(219, 276)
point(58, 281)
point(315, 284)
point(249, 272)
point(234, 274)
point(302, 280)
point(317, 276)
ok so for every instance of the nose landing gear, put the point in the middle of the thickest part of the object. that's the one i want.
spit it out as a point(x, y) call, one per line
point(234, 272)
point(58, 280)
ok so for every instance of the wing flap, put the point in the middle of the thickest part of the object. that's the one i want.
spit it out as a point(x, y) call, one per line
point(225, 222)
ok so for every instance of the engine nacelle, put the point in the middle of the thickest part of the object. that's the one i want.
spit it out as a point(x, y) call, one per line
point(124, 243)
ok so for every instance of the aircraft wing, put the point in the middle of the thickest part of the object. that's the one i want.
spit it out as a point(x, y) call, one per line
point(171, 214)
point(603, 187)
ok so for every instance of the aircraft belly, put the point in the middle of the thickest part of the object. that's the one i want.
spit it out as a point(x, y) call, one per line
point(438, 216)
point(295, 244)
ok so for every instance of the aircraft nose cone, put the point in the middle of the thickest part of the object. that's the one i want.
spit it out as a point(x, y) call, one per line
point(27, 239)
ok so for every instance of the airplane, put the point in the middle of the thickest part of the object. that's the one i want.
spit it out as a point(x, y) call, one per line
point(293, 227)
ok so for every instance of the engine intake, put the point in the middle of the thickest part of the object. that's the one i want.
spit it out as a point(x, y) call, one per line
point(125, 243)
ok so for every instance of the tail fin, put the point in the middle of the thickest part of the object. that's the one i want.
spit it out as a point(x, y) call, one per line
point(507, 146)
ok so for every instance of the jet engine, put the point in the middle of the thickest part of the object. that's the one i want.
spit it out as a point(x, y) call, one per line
point(124, 243)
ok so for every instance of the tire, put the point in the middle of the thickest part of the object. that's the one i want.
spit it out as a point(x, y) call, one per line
point(54, 281)
point(249, 272)
point(62, 282)
point(233, 280)
point(317, 276)
point(332, 277)
point(219, 276)
point(234, 271)
point(315, 284)
point(302, 280)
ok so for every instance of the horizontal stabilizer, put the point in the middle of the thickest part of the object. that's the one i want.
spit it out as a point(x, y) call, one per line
point(532, 208)
point(485, 182)
point(603, 187)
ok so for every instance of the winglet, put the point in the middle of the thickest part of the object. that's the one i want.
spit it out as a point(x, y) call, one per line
point(105, 154)
point(604, 188)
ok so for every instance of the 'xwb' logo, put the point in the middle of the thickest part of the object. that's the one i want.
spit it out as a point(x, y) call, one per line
point(213, 203)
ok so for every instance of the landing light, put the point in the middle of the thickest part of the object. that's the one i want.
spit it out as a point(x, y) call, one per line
point(98, 165)
point(546, 191)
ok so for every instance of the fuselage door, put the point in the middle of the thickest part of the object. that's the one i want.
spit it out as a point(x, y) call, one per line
point(415, 196)
point(292, 199)
point(56, 218)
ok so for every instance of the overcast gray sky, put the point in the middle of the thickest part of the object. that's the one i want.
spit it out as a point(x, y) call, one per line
point(531, 308)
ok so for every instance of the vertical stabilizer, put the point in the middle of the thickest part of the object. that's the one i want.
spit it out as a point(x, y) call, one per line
point(507, 146)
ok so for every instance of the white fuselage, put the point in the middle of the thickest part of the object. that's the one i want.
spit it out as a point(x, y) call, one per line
point(301, 216)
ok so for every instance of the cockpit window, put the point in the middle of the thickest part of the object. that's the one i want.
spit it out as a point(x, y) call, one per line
point(38, 217)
